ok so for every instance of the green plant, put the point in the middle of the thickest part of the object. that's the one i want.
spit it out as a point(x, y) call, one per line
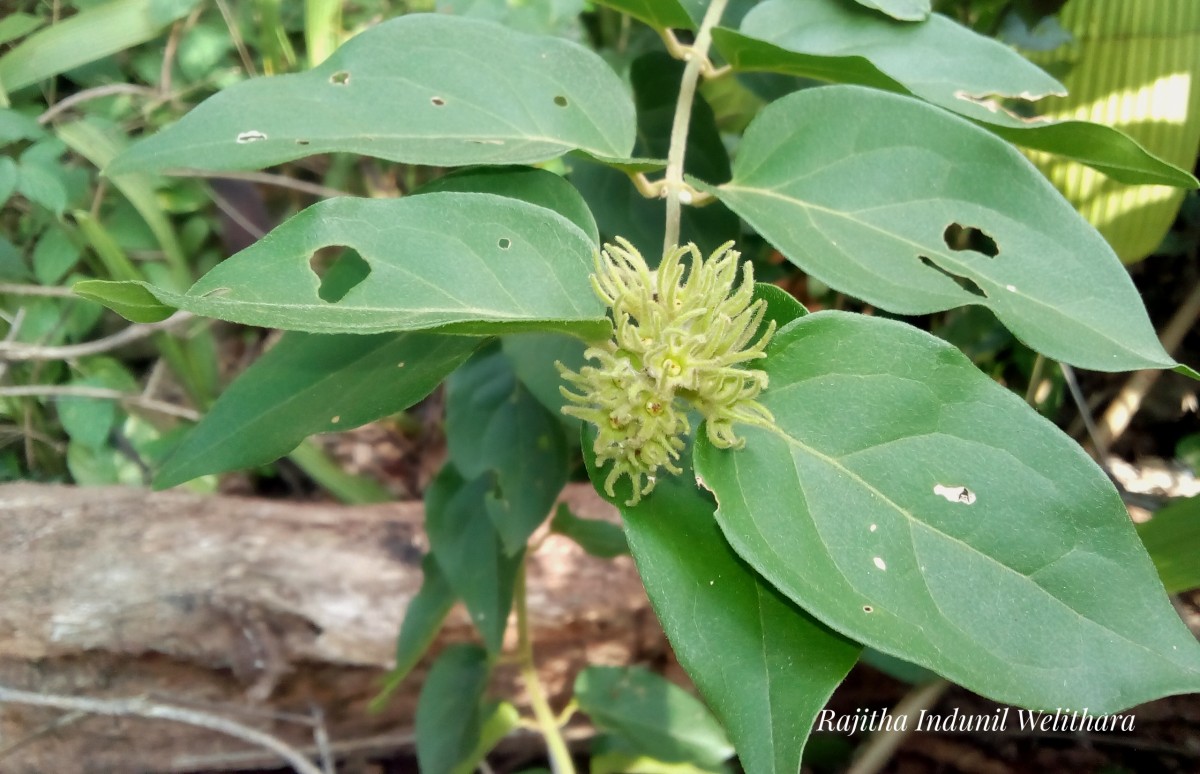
point(860, 483)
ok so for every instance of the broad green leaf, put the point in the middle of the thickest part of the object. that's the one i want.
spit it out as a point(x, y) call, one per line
point(904, 10)
point(449, 721)
point(540, 17)
point(1173, 539)
point(459, 262)
point(16, 126)
point(659, 14)
point(423, 618)
point(17, 25)
point(54, 255)
point(599, 538)
point(764, 666)
point(87, 36)
point(870, 193)
point(914, 505)
point(533, 356)
point(499, 719)
point(653, 714)
point(131, 300)
point(956, 69)
point(41, 185)
point(469, 551)
point(536, 186)
point(495, 427)
point(419, 89)
point(312, 383)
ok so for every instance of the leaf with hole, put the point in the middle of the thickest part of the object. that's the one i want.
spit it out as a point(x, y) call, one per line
point(456, 262)
point(914, 505)
point(918, 211)
point(959, 70)
point(396, 91)
point(764, 665)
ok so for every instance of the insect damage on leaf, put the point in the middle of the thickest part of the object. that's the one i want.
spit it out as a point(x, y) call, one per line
point(677, 344)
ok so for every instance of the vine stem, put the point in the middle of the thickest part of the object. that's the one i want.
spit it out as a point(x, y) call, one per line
point(547, 723)
point(698, 56)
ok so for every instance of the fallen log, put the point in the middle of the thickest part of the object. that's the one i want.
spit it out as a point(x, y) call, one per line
point(262, 611)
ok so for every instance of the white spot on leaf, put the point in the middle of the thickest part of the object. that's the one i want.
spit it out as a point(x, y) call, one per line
point(1011, 288)
point(955, 494)
point(880, 563)
point(250, 136)
point(874, 527)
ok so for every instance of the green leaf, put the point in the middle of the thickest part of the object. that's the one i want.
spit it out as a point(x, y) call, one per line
point(55, 255)
point(904, 10)
point(129, 299)
point(914, 505)
point(469, 551)
point(499, 719)
point(495, 426)
point(89, 35)
point(533, 356)
point(459, 262)
point(420, 89)
point(17, 25)
point(653, 714)
point(448, 721)
point(311, 383)
point(1173, 539)
point(874, 194)
point(9, 175)
point(41, 186)
point(955, 68)
point(659, 14)
point(937, 60)
point(764, 666)
point(536, 186)
point(598, 538)
point(422, 621)
point(16, 126)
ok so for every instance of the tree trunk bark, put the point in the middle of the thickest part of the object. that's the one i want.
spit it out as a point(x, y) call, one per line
point(254, 610)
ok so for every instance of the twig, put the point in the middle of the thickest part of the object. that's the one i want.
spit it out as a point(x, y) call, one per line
point(266, 178)
point(1099, 448)
point(321, 740)
point(697, 60)
point(878, 750)
point(15, 289)
point(96, 92)
point(556, 746)
point(1035, 380)
point(62, 721)
point(101, 393)
point(236, 37)
point(15, 351)
point(140, 707)
point(224, 206)
point(1120, 412)
point(14, 330)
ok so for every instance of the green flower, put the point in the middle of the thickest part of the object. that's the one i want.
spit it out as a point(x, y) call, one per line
point(681, 338)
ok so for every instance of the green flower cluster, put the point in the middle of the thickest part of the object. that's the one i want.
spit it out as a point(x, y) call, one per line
point(677, 344)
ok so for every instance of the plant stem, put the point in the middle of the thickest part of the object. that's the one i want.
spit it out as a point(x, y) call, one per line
point(556, 746)
point(683, 118)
